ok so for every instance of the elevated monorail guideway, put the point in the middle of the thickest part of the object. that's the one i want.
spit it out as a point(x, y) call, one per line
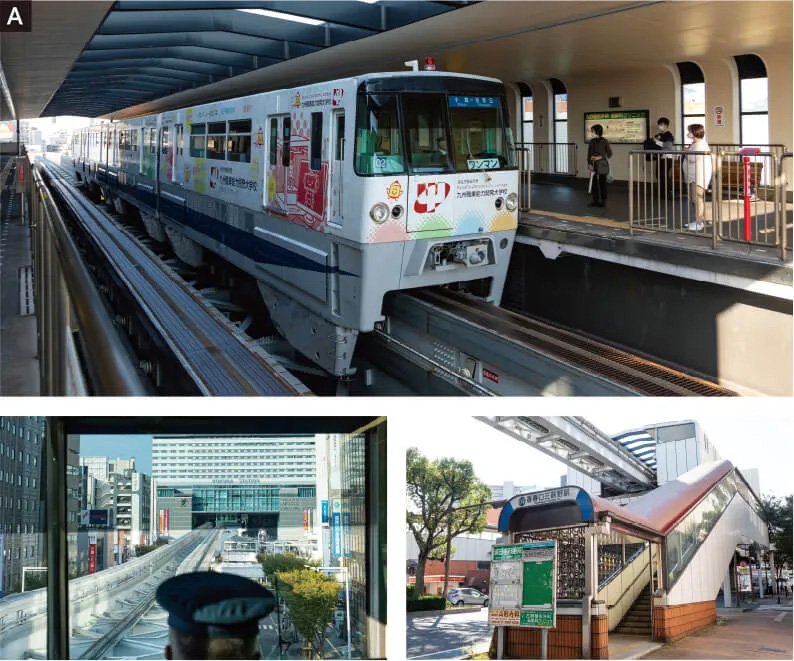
point(581, 446)
point(472, 347)
point(213, 356)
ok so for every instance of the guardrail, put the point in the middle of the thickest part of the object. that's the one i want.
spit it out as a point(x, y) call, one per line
point(548, 157)
point(73, 319)
point(730, 200)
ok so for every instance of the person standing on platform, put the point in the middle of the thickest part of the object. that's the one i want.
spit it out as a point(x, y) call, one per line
point(664, 140)
point(697, 174)
point(598, 154)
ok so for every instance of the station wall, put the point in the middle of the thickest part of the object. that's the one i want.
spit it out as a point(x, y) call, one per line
point(658, 90)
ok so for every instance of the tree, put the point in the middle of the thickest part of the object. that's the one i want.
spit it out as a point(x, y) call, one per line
point(447, 499)
point(778, 514)
point(311, 598)
point(466, 511)
point(282, 562)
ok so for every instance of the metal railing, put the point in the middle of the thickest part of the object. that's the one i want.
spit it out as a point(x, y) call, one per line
point(732, 203)
point(73, 320)
point(558, 158)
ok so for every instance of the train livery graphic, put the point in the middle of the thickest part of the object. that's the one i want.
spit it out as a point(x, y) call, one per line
point(330, 195)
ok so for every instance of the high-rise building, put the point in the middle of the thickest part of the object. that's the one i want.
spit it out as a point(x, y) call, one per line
point(21, 524)
point(508, 490)
point(102, 467)
point(261, 483)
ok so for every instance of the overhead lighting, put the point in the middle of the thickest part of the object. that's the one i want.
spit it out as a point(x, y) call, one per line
point(283, 17)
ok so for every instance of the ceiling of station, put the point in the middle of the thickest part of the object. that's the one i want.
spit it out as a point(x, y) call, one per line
point(143, 50)
point(133, 57)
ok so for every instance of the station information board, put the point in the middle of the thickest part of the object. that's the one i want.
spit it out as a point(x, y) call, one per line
point(523, 585)
point(620, 126)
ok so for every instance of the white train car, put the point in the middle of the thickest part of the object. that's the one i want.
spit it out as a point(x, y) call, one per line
point(330, 195)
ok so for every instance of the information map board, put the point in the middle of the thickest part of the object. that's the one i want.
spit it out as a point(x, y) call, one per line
point(620, 126)
point(523, 585)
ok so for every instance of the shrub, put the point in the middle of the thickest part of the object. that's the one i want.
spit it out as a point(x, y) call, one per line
point(426, 603)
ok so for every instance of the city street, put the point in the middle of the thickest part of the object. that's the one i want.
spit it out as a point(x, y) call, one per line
point(442, 635)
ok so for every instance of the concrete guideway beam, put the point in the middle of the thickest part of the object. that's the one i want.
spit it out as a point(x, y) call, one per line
point(580, 445)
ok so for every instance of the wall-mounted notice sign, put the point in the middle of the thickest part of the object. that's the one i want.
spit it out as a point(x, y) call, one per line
point(523, 585)
point(620, 126)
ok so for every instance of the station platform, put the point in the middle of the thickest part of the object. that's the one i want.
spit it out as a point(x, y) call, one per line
point(19, 366)
point(560, 221)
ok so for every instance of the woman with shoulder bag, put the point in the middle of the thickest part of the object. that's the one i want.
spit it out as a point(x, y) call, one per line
point(598, 154)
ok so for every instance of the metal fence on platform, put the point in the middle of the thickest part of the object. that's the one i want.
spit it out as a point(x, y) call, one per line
point(549, 157)
point(737, 196)
point(80, 350)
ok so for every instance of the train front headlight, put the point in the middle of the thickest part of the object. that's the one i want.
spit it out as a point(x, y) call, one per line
point(511, 202)
point(379, 212)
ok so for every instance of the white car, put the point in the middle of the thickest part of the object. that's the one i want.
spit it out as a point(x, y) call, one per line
point(463, 596)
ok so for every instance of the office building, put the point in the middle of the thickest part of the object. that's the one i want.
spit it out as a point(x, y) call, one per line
point(259, 483)
point(21, 507)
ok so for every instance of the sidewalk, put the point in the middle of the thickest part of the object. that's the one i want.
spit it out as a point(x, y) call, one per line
point(761, 630)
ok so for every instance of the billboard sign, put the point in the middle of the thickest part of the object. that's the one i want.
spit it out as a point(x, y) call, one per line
point(324, 510)
point(523, 585)
point(92, 553)
point(95, 518)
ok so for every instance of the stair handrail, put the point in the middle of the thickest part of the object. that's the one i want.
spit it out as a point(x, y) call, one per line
point(625, 564)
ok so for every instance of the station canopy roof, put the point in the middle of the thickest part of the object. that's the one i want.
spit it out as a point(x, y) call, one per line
point(144, 50)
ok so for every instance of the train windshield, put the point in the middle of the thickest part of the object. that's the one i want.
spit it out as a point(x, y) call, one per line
point(430, 133)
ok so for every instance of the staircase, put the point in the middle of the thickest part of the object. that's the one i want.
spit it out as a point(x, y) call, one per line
point(637, 620)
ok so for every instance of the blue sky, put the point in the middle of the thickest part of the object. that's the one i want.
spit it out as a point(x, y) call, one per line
point(124, 446)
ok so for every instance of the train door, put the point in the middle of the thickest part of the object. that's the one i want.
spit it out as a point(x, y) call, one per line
point(336, 171)
point(278, 160)
point(178, 175)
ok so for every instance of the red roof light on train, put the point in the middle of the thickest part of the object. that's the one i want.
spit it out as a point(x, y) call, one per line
point(429, 64)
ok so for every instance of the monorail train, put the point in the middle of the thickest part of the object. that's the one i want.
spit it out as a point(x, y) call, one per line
point(330, 195)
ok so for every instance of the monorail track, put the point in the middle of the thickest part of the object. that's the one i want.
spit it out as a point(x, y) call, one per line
point(183, 344)
point(457, 344)
point(434, 342)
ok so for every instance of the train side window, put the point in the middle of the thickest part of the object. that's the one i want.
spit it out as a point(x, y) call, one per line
point(378, 148)
point(316, 147)
point(152, 140)
point(216, 139)
point(272, 145)
point(133, 135)
point(198, 140)
point(179, 139)
point(238, 141)
point(165, 140)
point(286, 131)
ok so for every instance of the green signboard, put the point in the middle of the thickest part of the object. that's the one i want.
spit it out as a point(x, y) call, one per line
point(533, 618)
point(507, 552)
point(620, 126)
point(523, 585)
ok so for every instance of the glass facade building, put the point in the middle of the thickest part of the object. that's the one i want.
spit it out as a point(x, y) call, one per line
point(259, 482)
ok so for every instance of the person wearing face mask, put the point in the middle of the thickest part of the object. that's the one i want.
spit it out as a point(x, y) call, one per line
point(664, 140)
point(598, 154)
point(697, 174)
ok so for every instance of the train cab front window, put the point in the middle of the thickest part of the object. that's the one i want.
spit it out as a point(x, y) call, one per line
point(378, 139)
point(426, 130)
point(479, 138)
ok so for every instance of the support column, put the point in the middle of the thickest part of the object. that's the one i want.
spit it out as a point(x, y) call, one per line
point(726, 590)
point(590, 587)
point(773, 572)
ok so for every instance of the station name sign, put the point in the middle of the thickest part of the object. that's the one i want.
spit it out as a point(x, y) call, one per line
point(545, 497)
point(16, 16)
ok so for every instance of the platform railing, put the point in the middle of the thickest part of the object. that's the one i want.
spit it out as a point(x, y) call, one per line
point(736, 206)
point(80, 349)
point(558, 158)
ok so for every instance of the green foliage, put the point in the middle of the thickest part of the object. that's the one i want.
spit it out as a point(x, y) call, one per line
point(311, 599)
point(283, 562)
point(426, 603)
point(447, 499)
point(778, 514)
point(143, 549)
point(35, 580)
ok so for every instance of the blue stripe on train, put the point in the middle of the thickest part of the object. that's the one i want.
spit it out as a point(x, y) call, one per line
point(254, 247)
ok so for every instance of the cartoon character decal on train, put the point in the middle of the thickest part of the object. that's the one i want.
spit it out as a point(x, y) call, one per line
point(333, 194)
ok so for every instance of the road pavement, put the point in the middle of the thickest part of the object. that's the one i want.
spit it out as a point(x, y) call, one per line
point(444, 635)
point(761, 633)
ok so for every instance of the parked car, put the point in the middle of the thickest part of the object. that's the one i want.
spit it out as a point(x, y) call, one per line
point(463, 596)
